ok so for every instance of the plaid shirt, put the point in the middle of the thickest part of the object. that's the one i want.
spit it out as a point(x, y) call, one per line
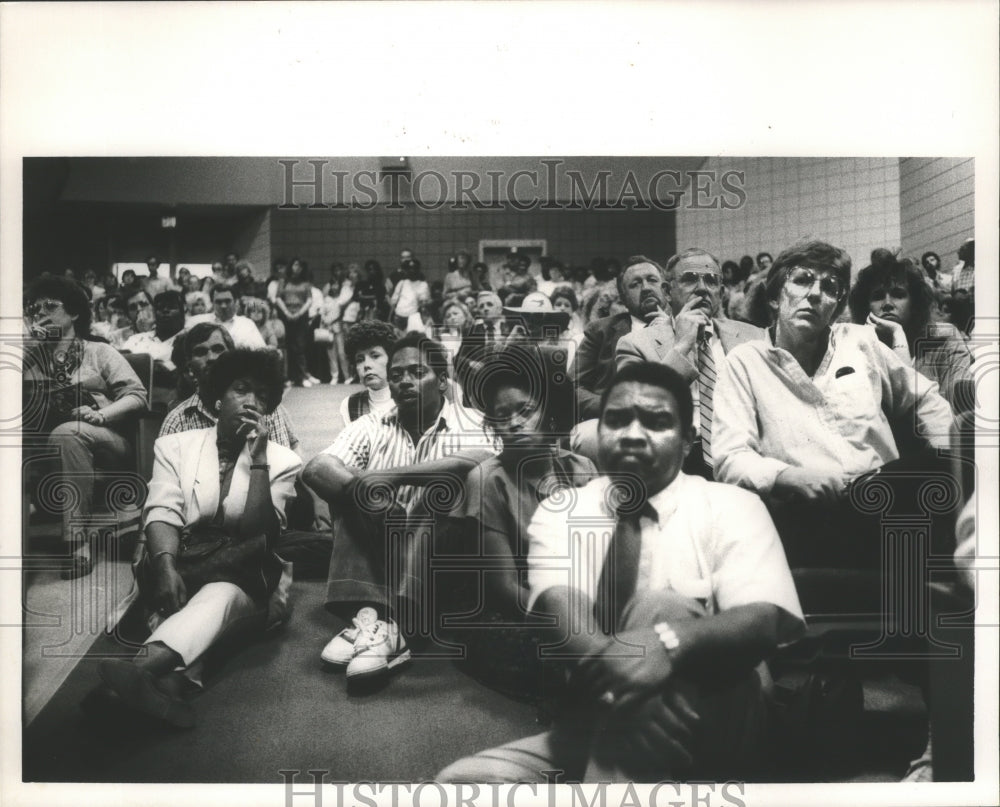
point(192, 414)
point(378, 442)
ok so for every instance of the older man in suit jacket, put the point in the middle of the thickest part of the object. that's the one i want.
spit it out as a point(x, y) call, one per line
point(694, 342)
point(642, 289)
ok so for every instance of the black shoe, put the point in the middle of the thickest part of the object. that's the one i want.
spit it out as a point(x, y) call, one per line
point(139, 690)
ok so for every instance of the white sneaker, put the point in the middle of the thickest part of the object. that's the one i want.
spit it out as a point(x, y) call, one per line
point(340, 649)
point(306, 382)
point(377, 649)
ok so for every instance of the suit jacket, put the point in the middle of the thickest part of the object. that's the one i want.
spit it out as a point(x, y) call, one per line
point(184, 490)
point(594, 365)
point(656, 343)
point(474, 346)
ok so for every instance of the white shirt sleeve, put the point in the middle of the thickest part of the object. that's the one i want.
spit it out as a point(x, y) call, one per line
point(736, 445)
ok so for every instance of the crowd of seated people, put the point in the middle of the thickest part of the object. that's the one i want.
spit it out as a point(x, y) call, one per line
point(648, 402)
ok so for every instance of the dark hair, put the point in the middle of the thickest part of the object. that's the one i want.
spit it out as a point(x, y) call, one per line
point(566, 293)
point(413, 265)
point(130, 293)
point(168, 296)
point(548, 266)
point(305, 276)
point(884, 269)
point(73, 297)
point(185, 341)
point(128, 272)
point(263, 366)
point(967, 252)
point(932, 273)
point(815, 255)
point(736, 273)
point(434, 353)
point(747, 261)
point(368, 334)
point(220, 287)
point(634, 260)
point(655, 375)
point(530, 368)
point(762, 254)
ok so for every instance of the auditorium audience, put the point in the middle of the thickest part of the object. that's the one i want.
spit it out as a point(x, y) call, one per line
point(409, 298)
point(891, 296)
point(215, 508)
point(86, 393)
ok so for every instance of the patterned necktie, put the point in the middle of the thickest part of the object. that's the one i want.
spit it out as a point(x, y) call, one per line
point(620, 572)
point(706, 388)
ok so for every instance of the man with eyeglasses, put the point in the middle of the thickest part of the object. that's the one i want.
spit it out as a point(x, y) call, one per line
point(694, 342)
point(374, 476)
point(800, 415)
point(139, 309)
point(168, 321)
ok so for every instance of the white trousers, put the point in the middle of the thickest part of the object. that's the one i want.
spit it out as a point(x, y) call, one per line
point(216, 610)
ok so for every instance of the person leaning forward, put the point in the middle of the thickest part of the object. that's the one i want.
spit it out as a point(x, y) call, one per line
point(667, 619)
point(392, 459)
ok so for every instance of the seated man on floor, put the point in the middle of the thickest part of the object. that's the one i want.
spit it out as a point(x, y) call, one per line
point(800, 415)
point(663, 625)
point(377, 568)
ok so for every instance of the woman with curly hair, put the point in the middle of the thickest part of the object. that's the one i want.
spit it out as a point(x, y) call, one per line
point(367, 347)
point(215, 508)
point(892, 296)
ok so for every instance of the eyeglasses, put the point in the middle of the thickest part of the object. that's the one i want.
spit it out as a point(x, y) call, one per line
point(48, 306)
point(711, 279)
point(804, 279)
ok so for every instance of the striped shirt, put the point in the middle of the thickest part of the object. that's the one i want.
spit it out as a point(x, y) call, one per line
point(192, 414)
point(378, 442)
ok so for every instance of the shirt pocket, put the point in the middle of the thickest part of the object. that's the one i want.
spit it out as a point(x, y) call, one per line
point(852, 397)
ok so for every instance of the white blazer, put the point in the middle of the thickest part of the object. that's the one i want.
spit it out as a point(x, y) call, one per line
point(184, 490)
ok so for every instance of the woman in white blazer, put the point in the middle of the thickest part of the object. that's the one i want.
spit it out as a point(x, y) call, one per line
point(215, 508)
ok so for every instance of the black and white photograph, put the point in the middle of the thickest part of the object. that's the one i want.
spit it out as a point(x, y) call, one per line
point(611, 457)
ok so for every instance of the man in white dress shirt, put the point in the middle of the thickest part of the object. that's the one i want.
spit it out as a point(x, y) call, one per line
point(666, 601)
point(244, 332)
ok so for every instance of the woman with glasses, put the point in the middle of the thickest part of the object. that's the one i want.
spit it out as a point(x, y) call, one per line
point(801, 414)
point(81, 393)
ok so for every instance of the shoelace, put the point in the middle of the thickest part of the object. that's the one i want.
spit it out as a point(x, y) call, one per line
point(371, 635)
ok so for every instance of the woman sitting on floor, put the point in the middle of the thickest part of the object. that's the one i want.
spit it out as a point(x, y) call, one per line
point(893, 297)
point(215, 507)
point(490, 525)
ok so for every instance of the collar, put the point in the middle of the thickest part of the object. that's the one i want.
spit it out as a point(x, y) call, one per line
point(664, 502)
point(380, 396)
point(194, 403)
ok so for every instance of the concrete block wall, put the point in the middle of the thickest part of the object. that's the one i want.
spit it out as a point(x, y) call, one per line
point(851, 202)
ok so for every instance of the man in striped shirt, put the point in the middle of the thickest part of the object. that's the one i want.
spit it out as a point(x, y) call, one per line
point(386, 477)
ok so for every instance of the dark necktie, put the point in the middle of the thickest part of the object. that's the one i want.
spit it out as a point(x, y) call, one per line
point(706, 388)
point(620, 572)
